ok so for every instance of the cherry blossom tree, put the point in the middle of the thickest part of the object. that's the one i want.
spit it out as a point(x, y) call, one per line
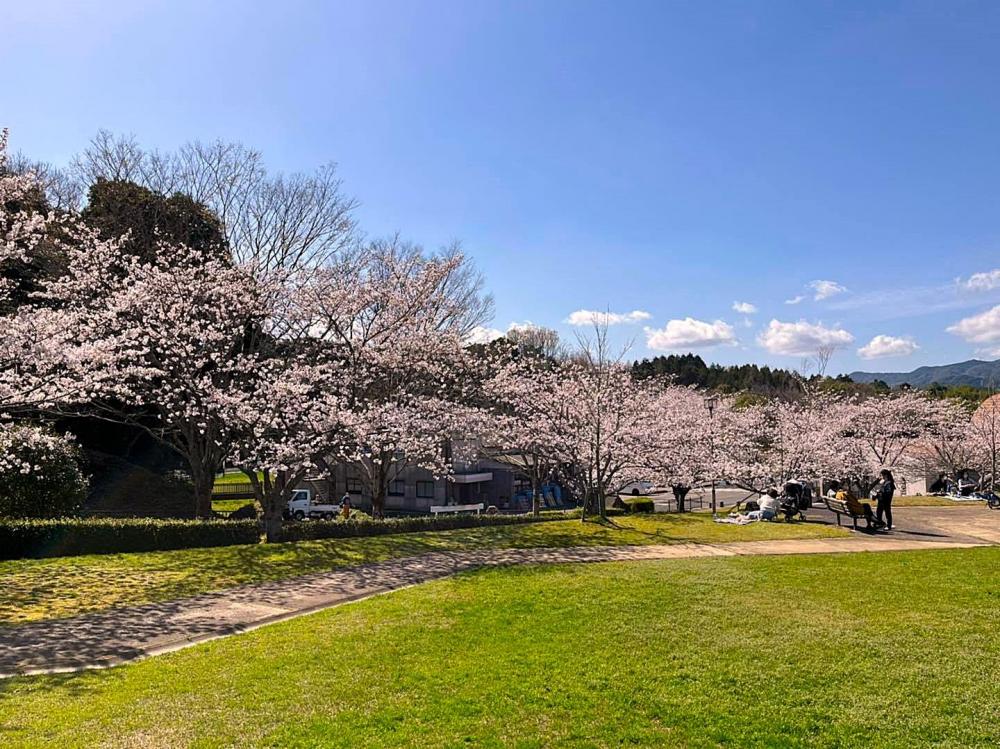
point(767, 443)
point(282, 417)
point(528, 394)
point(677, 440)
point(868, 434)
point(396, 318)
point(984, 431)
point(48, 353)
point(605, 409)
point(363, 365)
point(180, 325)
point(959, 442)
point(39, 473)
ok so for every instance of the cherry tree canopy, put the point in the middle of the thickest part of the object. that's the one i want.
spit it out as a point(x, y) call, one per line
point(677, 440)
point(528, 392)
point(49, 354)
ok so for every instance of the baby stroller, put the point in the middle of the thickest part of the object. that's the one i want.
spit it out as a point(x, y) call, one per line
point(992, 499)
point(796, 497)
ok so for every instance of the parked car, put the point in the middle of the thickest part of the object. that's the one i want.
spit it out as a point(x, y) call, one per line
point(638, 488)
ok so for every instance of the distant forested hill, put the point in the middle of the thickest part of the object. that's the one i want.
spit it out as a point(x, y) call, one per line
point(690, 369)
point(980, 374)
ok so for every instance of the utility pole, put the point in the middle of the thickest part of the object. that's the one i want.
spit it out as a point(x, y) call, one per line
point(710, 402)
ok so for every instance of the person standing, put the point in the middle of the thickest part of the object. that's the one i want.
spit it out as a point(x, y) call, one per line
point(883, 506)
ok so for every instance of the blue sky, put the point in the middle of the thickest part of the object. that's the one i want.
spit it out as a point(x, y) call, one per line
point(661, 161)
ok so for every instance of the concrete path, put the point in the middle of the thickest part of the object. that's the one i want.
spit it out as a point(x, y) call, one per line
point(117, 636)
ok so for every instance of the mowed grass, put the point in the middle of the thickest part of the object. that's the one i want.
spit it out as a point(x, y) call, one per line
point(927, 501)
point(741, 652)
point(234, 478)
point(31, 590)
point(230, 505)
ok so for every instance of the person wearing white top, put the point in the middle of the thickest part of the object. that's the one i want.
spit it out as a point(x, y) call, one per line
point(769, 505)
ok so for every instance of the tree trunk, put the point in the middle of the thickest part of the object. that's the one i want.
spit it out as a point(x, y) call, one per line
point(273, 497)
point(536, 497)
point(680, 494)
point(378, 504)
point(273, 521)
point(203, 480)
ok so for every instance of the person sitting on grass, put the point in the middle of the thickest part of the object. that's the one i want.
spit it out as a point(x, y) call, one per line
point(769, 504)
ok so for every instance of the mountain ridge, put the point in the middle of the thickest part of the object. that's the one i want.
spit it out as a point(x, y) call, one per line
point(975, 372)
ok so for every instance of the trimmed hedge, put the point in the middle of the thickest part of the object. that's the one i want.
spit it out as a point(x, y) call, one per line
point(317, 529)
point(65, 537)
point(640, 504)
point(73, 536)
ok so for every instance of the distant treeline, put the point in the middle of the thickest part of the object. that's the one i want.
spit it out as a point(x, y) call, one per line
point(691, 369)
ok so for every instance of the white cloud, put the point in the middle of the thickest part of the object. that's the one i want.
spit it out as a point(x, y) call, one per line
point(480, 334)
point(886, 345)
point(983, 281)
point(583, 317)
point(690, 333)
point(826, 289)
point(981, 328)
point(801, 338)
point(795, 299)
point(744, 308)
point(526, 325)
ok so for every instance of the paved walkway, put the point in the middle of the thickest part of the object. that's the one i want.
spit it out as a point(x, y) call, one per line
point(113, 637)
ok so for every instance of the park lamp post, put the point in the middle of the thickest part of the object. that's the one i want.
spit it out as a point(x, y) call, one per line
point(711, 401)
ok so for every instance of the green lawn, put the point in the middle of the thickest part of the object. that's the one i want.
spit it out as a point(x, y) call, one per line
point(46, 588)
point(234, 478)
point(230, 505)
point(739, 652)
point(927, 501)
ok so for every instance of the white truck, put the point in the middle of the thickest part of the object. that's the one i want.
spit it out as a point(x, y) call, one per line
point(301, 506)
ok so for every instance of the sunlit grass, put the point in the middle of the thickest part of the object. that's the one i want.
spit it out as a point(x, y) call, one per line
point(230, 505)
point(927, 501)
point(46, 588)
point(738, 652)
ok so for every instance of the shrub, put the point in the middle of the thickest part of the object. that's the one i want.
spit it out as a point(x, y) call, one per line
point(639, 504)
point(245, 512)
point(317, 529)
point(38, 538)
point(39, 474)
point(73, 536)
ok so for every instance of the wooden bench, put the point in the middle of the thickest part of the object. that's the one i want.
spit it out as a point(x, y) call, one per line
point(437, 509)
point(839, 508)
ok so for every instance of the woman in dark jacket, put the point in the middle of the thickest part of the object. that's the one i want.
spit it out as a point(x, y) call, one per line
point(883, 506)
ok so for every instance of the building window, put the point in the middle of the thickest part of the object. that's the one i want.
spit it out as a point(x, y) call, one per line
point(425, 489)
point(397, 488)
point(353, 485)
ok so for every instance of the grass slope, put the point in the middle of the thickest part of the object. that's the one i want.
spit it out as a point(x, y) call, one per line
point(230, 505)
point(763, 651)
point(234, 478)
point(47, 588)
